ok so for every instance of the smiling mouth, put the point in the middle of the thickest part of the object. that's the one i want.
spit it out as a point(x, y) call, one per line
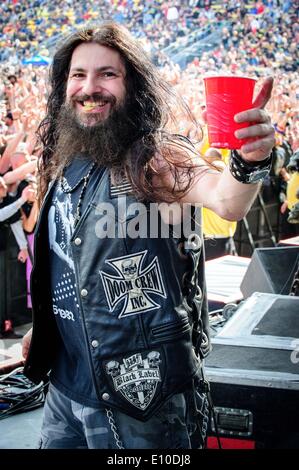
point(89, 106)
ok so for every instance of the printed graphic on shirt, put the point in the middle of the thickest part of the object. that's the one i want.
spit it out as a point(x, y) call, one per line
point(136, 378)
point(60, 223)
point(133, 285)
point(63, 313)
point(65, 289)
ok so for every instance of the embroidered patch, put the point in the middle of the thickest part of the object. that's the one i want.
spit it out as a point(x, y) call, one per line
point(136, 378)
point(133, 285)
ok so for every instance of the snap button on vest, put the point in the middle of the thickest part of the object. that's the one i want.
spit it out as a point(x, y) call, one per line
point(77, 241)
point(84, 292)
point(105, 396)
point(94, 343)
point(194, 242)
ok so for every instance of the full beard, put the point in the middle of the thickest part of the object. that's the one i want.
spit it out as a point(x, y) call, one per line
point(106, 142)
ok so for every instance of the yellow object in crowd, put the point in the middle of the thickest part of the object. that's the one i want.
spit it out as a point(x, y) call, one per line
point(216, 227)
point(204, 146)
point(213, 225)
point(292, 188)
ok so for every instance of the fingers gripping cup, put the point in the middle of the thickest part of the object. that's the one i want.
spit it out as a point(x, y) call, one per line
point(225, 97)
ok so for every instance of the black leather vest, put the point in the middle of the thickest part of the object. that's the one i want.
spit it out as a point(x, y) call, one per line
point(144, 315)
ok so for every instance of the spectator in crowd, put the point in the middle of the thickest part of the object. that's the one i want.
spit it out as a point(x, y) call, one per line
point(291, 204)
point(8, 211)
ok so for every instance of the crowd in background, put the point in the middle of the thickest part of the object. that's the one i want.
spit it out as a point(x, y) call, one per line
point(263, 32)
point(256, 38)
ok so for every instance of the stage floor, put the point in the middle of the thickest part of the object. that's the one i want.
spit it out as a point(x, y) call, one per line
point(21, 431)
point(11, 349)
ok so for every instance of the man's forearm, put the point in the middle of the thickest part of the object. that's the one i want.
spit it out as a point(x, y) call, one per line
point(234, 198)
point(221, 193)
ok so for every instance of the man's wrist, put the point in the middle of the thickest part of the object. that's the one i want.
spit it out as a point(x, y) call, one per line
point(255, 163)
point(249, 172)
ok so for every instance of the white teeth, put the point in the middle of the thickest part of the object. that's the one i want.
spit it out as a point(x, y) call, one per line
point(92, 104)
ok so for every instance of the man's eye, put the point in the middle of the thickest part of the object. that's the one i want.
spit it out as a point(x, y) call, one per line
point(109, 74)
point(77, 75)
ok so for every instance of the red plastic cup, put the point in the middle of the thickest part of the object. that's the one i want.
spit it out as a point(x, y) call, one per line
point(225, 97)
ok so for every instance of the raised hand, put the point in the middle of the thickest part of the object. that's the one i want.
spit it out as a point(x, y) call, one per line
point(29, 193)
point(261, 132)
point(23, 255)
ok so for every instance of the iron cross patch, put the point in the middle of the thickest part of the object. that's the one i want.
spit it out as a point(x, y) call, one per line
point(133, 284)
point(136, 378)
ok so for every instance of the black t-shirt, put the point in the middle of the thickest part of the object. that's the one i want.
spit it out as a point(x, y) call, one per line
point(71, 373)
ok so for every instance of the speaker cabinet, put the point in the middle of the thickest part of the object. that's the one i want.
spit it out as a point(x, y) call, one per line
point(271, 270)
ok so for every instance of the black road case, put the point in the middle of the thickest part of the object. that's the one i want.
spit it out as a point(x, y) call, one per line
point(253, 371)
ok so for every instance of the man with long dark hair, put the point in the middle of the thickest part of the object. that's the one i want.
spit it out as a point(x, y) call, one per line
point(120, 318)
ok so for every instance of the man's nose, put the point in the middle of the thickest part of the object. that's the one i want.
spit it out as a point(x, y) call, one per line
point(91, 85)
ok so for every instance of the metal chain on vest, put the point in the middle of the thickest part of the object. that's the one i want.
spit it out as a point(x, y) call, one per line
point(194, 292)
point(206, 414)
point(113, 428)
point(295, 284)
